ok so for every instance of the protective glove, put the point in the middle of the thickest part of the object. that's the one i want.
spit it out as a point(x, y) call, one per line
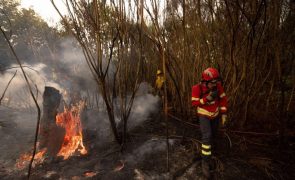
point(223, 119)
point(212, 95)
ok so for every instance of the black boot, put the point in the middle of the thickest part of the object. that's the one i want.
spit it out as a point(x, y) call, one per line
point(212, 164)
point(205, 169)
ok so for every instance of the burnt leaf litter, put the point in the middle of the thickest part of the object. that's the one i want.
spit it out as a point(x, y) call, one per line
point(145, 156)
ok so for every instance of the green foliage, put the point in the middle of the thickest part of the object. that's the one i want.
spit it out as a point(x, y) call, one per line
point(27, 31)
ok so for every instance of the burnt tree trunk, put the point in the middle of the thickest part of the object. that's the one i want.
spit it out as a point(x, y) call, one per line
point(51, 135)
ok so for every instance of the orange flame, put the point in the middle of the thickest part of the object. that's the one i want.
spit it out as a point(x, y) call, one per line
point(90, 174)
point(73, 140)
point(24, 159)
point(120, 166)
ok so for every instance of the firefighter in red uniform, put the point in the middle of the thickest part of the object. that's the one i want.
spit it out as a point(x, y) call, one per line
point(209, 99)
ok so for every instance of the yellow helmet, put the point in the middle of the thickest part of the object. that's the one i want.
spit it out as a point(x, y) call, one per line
point(159, 72)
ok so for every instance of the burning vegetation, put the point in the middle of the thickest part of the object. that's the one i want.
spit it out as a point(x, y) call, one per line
point(109, 53)
point(70, 121)
point(72, 143)
point(24, 159)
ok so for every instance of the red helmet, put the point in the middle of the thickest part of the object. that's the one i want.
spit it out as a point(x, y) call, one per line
point(210, 74)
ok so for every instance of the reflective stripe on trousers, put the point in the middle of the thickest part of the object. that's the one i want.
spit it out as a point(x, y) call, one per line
point(209, 129)
point(206, 150)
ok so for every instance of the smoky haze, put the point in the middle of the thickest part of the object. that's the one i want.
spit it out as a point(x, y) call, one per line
point(67, 72)
point(144, 105)
point(18, 115)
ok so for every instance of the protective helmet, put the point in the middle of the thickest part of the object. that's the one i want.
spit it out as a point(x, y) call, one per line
point(159, 72)
point(210, 74)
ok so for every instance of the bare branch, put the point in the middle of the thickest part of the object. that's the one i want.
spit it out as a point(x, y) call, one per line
point(33, 97)
point(3, 94)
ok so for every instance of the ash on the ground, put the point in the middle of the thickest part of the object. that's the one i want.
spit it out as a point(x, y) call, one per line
point(144, 155)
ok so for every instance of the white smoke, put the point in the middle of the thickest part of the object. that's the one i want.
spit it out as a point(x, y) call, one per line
point(149, 147)
point(145, 104)
point(68, 72)
point(17, 130)
point(17, 94)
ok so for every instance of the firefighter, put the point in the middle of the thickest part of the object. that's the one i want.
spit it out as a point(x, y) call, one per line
point(160, 83)
point(210, 101)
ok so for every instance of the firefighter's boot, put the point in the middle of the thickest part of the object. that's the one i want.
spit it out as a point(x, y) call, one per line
point(205, 169)
point(212, 164)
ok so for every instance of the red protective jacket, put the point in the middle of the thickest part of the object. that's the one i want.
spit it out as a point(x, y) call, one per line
point(205, 108)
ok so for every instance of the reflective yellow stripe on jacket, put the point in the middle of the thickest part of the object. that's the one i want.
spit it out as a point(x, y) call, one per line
point(195, 99)
point(207, 113)
point(222, 95)
point(223, 108)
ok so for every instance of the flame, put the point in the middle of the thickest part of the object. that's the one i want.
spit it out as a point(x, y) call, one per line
point(24, 159)
point(120, 166)
point(90, 174)
point(73, 140)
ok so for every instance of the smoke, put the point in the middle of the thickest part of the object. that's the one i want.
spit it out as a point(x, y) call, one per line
point(67, 72)
point(16, 134)
point(152, 146)
point(17, 94)
point(145, 104)
point(73, 66)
